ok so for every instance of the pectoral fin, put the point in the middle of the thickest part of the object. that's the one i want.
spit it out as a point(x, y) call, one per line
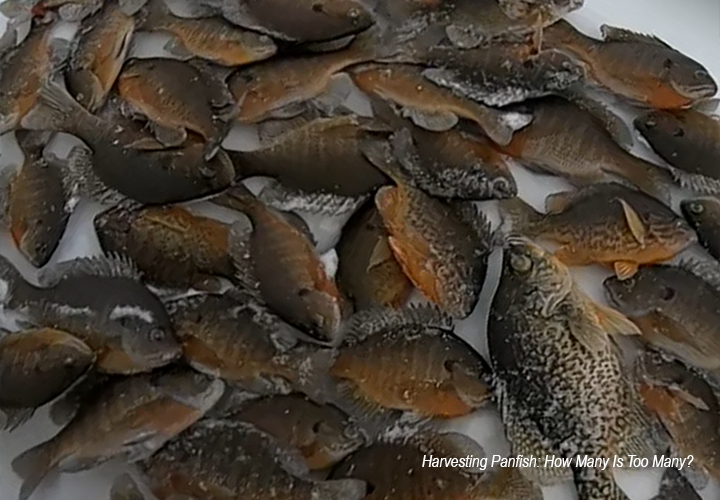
point(634, 222)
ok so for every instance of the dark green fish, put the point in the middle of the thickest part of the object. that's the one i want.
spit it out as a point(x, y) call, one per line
point(704, 216)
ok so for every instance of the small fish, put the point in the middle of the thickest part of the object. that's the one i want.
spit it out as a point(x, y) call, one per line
point(675, 310)
point(102, 302)
point(36, 366)
point(408, 360)
point(559, 374)
point(639, 67)
point(133, 166)
point(213, 39)
point(431, 106)
point(607, 223)
point(228, 459)
point(171, 246)
point(99, 54)
point(688, 140)
point(35, 205)
point(299, 21)
point(125, 488)
point(131, 419)
point(687, 407)
point(323, 434)
point(277, 261)
point(568, 140)
point(368, 272)
point(68, 10)
point(704, 216)
point(442, 247)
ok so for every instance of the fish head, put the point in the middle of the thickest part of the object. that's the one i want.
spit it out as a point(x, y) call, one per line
point(189, 388)
point(334, 438)
point(536, 270)
point(695, 211)
point(686, 76)
point(350, 13)
point(467, 379)
point(648, 291)
point(673, 233)
point(327, 310)
point(501, 183)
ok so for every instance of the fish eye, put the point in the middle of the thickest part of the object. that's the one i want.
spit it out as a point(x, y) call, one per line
point(701, 74)
point(667, 293)
point(207, 172)
point(668, 63)
point(317, 7)
point(157, 335)
point(316, 427)
point(351, 432)
point(678, 132)
point(450, 365)
point(520, 262)
point(502, 187)
point(354, 13)
point(697, 208)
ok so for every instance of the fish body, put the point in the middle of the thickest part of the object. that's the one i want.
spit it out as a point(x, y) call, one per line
point(607, 223)
point(170, 245)
point(37, 206)
point(220, 459)
point(101, 301)
point(368, 272)
point(212, 38)
point(688, 140)
point(323, 434)
point(639, 67)
point(675, 310)
point(560, 379)
point(674, 485)
point(131, 419)
point(410, 361)
point(68, 10)
point(99, 54)
point(704, 216)
point(566, 140)
point(36, 366)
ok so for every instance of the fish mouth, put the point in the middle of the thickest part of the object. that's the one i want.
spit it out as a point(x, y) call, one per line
point(699, 91)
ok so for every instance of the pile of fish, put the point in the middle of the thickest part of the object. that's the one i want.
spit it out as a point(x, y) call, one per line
point(220, 358)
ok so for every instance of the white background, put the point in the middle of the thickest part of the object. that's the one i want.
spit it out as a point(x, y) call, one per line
point(691, 26)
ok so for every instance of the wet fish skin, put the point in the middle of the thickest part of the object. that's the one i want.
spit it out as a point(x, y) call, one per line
point(68, 10)
point(608, 224)
point(639, 67)
point(703, 214)
point(674, 485)
point(566, 140)
point(559, 375)
point(100, 51)
point(37, 366)
point(131, 419)
point(102, 302)
point(323, 434)
point(228, 459)
point(170, 245)
point(36, 205)
point(125, 488)
point(675, 310)
point(368, 272)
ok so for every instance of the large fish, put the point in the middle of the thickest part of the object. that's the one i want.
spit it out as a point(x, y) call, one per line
point(102, 302)
point(561, 383)
point(640, 67)
point(704, 216)
point(131, 419)
point(606, 223)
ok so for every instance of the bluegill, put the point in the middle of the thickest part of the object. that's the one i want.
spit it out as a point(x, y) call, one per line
point(224, 459)
point(101, 301)
point(131, 419)
point(36, 366)
point(704, 216)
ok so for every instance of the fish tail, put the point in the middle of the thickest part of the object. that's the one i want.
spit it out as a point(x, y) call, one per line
point(56, 110)
point(10, 280)
point(597, 484)
point(33, 466)
point(649, 178)
point(521, 217)
point(339, 489)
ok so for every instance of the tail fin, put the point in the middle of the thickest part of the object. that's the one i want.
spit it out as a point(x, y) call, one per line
point(339, 489)
point(10, 280)
point(522, 218)
point(33, 466)
point(55, 110)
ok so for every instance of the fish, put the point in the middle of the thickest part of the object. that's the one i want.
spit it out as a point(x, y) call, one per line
point(442, 247)
point(676, 310)
point(36, 205)
point(131, 419)
point(687, 407)
point(440, 375)
point(674, 485)
point(566, 139)
point(394, 467)
point(549, 10)
point(368, 273)
point(124, 164)
point(102, 301)
point(642, 68)
point(703, 214)
point(23, 70)
point(277, 263)
point(563, 388)
point(501, 74)
point(688, 140)
point(125, 488)
point(228, 459)
point(67, 10)
point(212, 38)
point(98, 56)
point(300, 21)
point(605, 223)
point(36, 366)
point(323, 434)
point(171, 246)
point(234, 340)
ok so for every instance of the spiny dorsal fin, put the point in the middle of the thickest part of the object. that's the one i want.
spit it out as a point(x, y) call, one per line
point(614, 34)
point(471, 215)
point(375, 321)
point(112, 265)
point(634, 222)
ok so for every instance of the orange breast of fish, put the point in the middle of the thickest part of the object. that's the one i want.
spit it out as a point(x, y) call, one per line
point(647, 88)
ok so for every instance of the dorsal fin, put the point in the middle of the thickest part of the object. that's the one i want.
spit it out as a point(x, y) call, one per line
point(614, 34)
point(112, 265)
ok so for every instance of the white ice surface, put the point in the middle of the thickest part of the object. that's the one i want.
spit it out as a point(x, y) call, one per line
point(692, 26)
